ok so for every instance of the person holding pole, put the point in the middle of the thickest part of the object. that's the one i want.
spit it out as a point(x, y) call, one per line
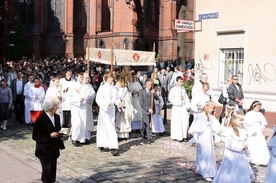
point(146, 96)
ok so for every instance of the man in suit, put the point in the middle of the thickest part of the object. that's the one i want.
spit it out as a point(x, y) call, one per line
point(17, 87)
point(164, 82)
point(48, 139)
point(235, 92)
point(145, 97)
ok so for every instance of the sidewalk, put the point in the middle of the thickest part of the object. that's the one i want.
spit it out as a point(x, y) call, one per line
point(14, 169)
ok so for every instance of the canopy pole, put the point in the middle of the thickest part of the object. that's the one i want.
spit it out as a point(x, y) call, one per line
point(88, 60)
point(111, 59)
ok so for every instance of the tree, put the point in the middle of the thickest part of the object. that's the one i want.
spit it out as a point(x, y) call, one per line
point(139, 43)
point(181, 44)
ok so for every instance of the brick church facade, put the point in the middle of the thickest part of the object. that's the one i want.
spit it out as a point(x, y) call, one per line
point(68, 27)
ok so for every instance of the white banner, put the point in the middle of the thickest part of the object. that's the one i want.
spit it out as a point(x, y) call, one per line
point(100, 55)
point(121, 57)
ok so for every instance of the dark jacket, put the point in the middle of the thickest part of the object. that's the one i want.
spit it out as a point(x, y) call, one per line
point(46, 147)
point(145, 101)
point(234, 93)
point(13, 88)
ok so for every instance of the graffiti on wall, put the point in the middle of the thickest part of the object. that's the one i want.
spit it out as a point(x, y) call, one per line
point(260, 74)
point(203, 65)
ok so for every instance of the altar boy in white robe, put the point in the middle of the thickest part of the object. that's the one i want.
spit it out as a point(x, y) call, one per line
point(78, 110)
point(27, 100)
point(55, 91)
point(89, 95)
point(106, 133)
point(36, 95)
point(179, 115)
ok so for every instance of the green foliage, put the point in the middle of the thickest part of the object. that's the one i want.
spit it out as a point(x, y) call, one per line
point(188, 85)
point(20, 42)
point(53, 57)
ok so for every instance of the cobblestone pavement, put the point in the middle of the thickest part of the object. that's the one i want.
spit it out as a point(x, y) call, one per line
point(162, 161)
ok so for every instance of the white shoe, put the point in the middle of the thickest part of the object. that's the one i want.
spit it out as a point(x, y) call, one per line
point(208, 179)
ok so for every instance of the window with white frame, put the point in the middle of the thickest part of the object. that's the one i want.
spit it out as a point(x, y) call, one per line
point(233, 60)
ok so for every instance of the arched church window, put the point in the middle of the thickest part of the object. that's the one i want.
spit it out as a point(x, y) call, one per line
point(102, 45)
point(126, 44)
point(105, 21)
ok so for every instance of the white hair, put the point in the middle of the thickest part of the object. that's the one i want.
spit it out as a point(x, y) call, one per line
point(49, 102)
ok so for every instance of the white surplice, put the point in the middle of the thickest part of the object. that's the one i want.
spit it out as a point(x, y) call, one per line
point(54, 91)
point(179, 114)
point(257, 146)
point(106, 133)
point(66, 106)
point(136, 123)
point(36, 96)
point(125, 114)
point(203, 131)
point(78, 112)
point(27, 102)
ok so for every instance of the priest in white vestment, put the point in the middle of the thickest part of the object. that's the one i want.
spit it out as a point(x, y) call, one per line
point(179, 115)
point(106, 133)
point(124, 112)
point(134, 88)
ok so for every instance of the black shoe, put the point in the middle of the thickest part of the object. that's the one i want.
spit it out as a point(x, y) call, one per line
point(120, 139)
point(86, 142)
point(114, 152)
point(144, 136)
point(101, 149)
point(76, 143)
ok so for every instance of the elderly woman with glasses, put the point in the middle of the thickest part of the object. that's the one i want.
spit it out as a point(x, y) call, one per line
point(48, 139)
point(5, 103)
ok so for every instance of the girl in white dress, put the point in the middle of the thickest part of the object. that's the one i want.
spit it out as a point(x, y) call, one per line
point(157, 121)
point(203, 128)
point(235, 166)
point(255, 123)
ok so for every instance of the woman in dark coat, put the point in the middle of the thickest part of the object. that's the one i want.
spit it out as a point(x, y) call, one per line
point(48, 139)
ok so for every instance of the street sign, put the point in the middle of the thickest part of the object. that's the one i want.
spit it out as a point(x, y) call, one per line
point(208, 16)
point(184, 25)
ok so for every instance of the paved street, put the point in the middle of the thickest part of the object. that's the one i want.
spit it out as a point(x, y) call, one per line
point(163, 161)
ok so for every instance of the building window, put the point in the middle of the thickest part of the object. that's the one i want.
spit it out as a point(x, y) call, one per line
point(54, 15)
point(105, 24)
point(126, 44)
point(102, 45)
point(233, 60)
point(151, 8)
point(80, 15)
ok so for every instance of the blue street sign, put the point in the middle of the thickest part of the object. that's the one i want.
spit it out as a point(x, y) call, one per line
point(208, 16)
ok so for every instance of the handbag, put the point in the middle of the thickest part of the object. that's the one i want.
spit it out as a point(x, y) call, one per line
point(61, 144)
point(222, 99)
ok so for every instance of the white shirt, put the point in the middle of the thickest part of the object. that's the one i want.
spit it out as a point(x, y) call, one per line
point(52, 118)
point(19, 84)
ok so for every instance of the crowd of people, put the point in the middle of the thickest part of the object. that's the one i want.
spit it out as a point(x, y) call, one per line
point(69, 94)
